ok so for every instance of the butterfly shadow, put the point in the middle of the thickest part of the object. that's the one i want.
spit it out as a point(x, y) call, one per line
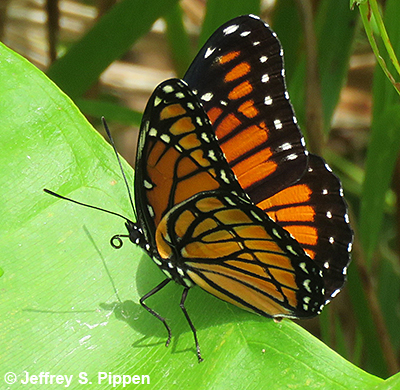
point(205, 310)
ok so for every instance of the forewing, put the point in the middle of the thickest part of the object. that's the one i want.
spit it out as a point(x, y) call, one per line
point(239, 78)
point(177, 155)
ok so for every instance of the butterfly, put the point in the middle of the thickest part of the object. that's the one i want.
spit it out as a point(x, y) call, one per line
point(226, 195)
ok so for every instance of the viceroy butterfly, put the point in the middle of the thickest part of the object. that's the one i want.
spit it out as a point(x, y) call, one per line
point(226, 195)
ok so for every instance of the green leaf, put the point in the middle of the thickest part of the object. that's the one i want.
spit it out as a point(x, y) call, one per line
point(391, 383)
point(111, 111)
point(335, 44)
point(220, 11)
point(70, 301)
point(287, 24)
point(334, 29)
point(381, 158)
point(178, 40)
point(383, 145)
point(107, 41)
point(373, 356)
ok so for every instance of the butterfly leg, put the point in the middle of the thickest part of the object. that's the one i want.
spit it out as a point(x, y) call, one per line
point(154, 313)
point(182, 305)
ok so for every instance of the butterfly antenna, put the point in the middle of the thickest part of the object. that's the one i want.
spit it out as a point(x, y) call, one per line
point(86, 205)
point(119, 162)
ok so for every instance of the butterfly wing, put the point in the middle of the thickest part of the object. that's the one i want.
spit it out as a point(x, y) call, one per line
point(314, 212)
point(177, 155)
point(245, 53)
point(202, 225)
point(233, 250)
point(239, 78)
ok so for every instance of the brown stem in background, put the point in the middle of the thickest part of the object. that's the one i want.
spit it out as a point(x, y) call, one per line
point(314, 114)
point(373, 303)
point(103, 6)
point(53, 27)
point(3, 17)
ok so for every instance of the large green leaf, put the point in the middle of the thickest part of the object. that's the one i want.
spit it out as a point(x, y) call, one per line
point(59, 311)
point(391, 383)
